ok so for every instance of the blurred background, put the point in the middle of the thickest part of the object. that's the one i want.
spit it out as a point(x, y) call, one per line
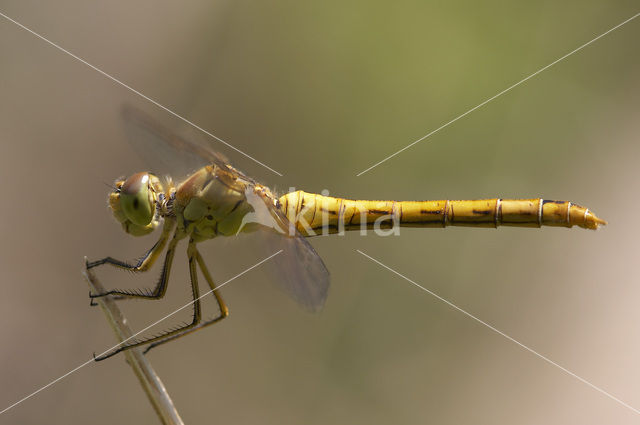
point(320, 92)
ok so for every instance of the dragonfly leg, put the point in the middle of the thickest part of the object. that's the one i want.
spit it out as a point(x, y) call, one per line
point(197, 314)
point(160, 288)
point(224, 310)
point(147, 260)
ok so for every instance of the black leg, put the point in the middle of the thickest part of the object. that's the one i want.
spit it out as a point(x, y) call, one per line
point(197, 315)
point(160, 288)
point(147, 260)
point(224, 310)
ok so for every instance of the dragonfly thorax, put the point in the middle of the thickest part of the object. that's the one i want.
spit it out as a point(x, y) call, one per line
point(211, 203)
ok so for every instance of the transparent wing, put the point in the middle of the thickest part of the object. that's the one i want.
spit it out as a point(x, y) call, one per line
point(297, 269)
point(163, 150)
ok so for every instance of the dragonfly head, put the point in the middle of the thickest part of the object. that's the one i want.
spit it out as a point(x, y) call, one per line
point(133, 203)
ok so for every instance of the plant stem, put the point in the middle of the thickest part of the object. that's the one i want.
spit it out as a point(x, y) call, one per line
point(149, 380)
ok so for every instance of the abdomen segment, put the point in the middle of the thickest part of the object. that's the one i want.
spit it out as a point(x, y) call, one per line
point(315, 214)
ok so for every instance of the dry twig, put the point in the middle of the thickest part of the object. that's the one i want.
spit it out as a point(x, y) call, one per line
point(149, 380)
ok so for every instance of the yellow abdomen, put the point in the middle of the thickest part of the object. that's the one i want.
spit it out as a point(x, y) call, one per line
point(315, 214)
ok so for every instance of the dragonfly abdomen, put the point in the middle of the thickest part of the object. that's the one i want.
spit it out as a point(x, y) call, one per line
point(315, 214)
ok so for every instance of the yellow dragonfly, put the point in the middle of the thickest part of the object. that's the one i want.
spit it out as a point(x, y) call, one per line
point(219, 200)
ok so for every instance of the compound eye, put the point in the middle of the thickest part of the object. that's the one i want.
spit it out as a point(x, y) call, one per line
point(136, 200)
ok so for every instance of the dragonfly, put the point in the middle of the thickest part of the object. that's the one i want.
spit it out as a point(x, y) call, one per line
point(217, 200)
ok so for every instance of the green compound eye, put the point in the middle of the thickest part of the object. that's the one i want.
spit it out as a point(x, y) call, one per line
point(136, 201)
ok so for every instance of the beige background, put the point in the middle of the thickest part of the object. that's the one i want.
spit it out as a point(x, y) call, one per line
point(320, 92)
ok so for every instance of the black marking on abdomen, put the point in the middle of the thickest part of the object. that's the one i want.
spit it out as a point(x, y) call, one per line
point(328, 226)
point(419, 222)
point(377, 211)
point(351, 218)
point(331, 212)
point(483, 212)
point(431, 212)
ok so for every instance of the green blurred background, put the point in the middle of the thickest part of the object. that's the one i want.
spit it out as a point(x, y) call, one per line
point(321, 91)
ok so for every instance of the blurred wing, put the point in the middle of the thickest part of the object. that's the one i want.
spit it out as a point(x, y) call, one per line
point(165, 152)
point(297, 269)
point(300, 271)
